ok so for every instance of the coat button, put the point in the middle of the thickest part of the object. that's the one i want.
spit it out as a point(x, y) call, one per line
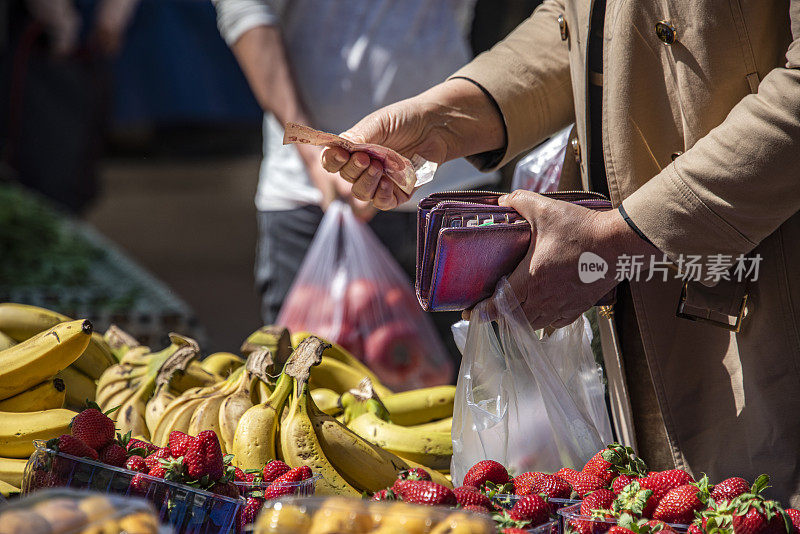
point(576, 149)
point(675, 155)
point(562, 27)
point(666, 32)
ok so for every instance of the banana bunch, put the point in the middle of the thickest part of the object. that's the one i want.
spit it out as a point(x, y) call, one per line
point(222, 363)
point(218, 407)
point(129, 385)
point(428, 444)
point(19, 322)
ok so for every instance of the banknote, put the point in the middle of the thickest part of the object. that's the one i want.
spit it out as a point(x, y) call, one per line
point(406, 173)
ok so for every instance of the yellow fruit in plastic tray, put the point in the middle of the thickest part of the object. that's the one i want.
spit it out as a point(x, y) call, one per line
point(341, 516)
point(283, 518)
point(461, 523)
point(402, 518)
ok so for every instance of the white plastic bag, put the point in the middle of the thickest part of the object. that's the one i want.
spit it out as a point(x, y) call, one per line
point(540, 170)
point(350, 290)
point(512, 404)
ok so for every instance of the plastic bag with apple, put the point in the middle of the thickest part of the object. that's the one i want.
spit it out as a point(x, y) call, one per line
point(351, 291)
point(518, 398)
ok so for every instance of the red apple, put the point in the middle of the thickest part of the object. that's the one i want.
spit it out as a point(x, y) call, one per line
point(395, 353)
point(362, 303)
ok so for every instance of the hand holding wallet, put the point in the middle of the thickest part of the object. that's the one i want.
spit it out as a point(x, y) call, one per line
point(466, 243)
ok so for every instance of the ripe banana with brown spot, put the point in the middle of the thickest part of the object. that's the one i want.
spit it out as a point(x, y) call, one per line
point(18, 430)
point(235, 405)
point(47, 395)
point(42, 356)
point(78, 388)
point(254, 441)
point(327, 400)
point(222, 363)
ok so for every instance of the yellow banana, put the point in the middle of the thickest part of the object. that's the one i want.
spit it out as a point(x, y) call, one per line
point(337, 352)
point(11, 470)
point(254, 439)
point(131, 415)
point(43, 396)
point(436, 475)
point(222, 363)
point(340, 377)
point(157, 405)
point(7, 490)
point(79, 387)
point(300, 446)
point(234, 406)
point(262, 393)
point(6, 341)
point(420, 405)
point(23, 321)
point(42, 356)
point(431, 449)
point(442, 425)
point(194, 377)
point(18, 430)
point(362, 464)
point(275, 339)
point(119, 342)
point(206, 417)
point(326, 400)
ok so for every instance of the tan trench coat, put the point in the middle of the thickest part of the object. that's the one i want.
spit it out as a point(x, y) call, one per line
point(702, 147)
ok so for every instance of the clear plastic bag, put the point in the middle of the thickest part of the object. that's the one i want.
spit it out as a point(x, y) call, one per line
point(512, 404)
point(351, 291)
point(540, 170)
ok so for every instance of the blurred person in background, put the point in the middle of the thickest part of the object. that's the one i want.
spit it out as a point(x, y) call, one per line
point(327, 63)
point(56, 92)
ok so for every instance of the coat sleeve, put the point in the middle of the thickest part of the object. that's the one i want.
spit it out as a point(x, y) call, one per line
point(235, 17)
point(737, 184)
point(527, 75)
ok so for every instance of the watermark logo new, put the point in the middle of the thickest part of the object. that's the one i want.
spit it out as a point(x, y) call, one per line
point(591, 267)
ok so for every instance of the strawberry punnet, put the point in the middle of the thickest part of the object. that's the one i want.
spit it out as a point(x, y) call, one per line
point(93, 427)
point(616, 529)
point(137, 463)
point(204, 456)
point(273, 470)
point(249, 512)
point(470, 495)
point(486, 471)
point(294, 476)
point(530, 511)
point(72, 445)
point(226, 489)
point(513, 530)
point(154, 459)
point(426, 492)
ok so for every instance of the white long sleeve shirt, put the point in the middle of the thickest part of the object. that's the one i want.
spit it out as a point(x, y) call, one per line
point(351, 57)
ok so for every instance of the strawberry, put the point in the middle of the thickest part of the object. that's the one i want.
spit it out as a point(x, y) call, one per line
point(549, 486)
point(248, 513)
point(663, 481)
point(635, 500)
point(566, 473)
point(133, 443)
point(203, 456)
point(530, 511)
point(278, 490)
point(383, 495)
point(600, 499)
point(470, 495)
point(113, 454)
point(620, 482)
point(761, 517)
point(513, 530)
point(72, 445)
point(294, 476)
point(477, 509)
point(158, 471)
point(239, 475)
point(694, 528)
point(178, 443)
point(426, 492)
point(486, 471)
point(600, 467)
point(137, 463)
point(415, 473)
point(226, 489)
point(679, 504)
point(273, 470)
point(522, 483)
point(93, 427)
point(729, 489)
point(154, 460)
point(616, 529)
point(45, 479)
point(584, 483)
point(794, 517)
point(139, 485)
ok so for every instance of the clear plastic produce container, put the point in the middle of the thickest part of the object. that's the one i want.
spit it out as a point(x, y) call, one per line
point(188, 510)
point(508, 500)
point(68, 511)
point(350, 515)
point(304, 488)
point(572, 522)
point(551, 527)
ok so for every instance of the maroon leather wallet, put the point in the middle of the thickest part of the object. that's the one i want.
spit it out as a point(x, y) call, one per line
point(466, 243)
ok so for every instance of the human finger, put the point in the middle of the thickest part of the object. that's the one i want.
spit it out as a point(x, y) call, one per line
point(334, 158)
point(384, 197)
point(527, 203)
point(358, 163)
point(365, 186)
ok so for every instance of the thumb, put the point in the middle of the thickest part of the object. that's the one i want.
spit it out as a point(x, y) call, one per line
point(527, 203)
point(370, 129)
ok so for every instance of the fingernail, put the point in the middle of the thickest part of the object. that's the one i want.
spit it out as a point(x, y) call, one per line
point(501, 199)
point(338, 157)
